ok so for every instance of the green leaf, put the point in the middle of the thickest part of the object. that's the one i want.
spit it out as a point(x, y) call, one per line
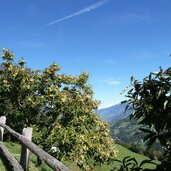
point(146, 130)
point(147, 161)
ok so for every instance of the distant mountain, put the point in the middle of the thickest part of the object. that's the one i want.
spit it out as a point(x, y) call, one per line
point(120, 124)
point(114, 113)
point(122, 128)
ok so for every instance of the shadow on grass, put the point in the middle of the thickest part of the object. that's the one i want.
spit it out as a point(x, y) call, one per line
point(5, 163)
point(40, 165)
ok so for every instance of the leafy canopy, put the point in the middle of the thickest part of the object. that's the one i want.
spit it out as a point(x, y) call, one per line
point(150, 101)
point(59, 107)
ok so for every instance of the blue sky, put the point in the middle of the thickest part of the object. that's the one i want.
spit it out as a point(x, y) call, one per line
point(111, 39)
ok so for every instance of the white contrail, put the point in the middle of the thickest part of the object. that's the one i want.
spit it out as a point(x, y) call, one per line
point(87, 9)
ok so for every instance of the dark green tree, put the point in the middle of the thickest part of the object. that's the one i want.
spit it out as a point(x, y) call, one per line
point(150, 101)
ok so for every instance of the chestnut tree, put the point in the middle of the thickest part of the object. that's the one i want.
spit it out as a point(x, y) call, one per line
point(59, 107)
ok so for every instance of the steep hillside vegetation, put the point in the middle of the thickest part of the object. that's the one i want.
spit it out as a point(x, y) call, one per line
point(121, 126)
point(127, 130)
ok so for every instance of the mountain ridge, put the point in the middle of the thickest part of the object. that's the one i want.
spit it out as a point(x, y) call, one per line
point(114, 113)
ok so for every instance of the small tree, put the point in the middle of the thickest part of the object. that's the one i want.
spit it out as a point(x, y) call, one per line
point(150, 101)
point(59, 107)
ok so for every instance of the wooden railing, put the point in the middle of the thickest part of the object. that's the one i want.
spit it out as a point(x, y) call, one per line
point(27, 145)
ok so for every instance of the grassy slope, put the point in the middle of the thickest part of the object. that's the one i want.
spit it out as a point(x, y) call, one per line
point(15, 149)
point(123, 152)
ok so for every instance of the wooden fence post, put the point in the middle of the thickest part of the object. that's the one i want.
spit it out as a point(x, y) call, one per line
point(24, 160)
point(49, 160)
point(2, 120)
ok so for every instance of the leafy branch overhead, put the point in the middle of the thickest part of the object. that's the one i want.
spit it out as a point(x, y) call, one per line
point(150, 101)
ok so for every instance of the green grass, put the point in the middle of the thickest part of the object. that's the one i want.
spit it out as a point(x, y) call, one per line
point(15, 149)
point(123, 152)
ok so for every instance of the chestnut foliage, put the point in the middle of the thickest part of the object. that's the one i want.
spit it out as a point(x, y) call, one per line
point(60, 109)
